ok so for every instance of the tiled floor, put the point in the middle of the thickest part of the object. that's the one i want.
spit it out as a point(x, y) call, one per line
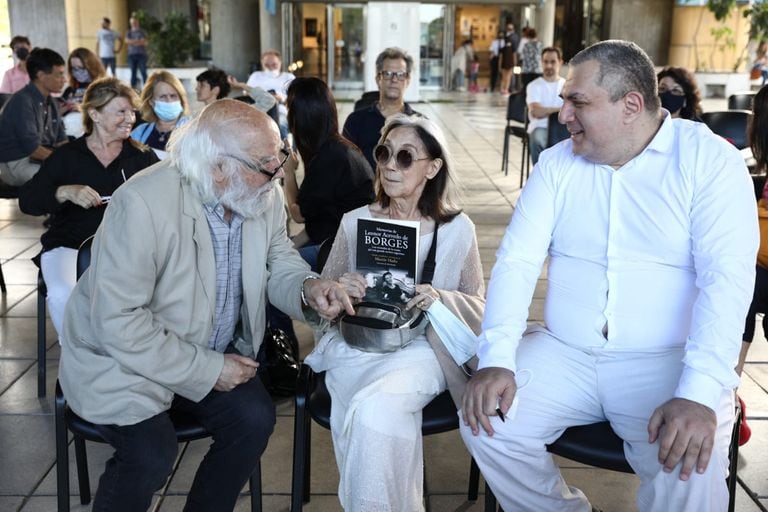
point(473, 124)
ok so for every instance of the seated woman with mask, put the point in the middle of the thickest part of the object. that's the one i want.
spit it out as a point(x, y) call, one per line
point(679, 93)
point(378, 397)
point(164, 106)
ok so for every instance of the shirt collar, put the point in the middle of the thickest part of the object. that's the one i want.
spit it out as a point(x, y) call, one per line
point(217, 209)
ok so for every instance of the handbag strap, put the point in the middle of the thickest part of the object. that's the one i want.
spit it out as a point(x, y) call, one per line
point(429, 265)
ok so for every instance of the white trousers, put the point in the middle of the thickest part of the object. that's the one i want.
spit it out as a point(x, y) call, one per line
point(18, 172)
point(59, 268)
point(562, 386)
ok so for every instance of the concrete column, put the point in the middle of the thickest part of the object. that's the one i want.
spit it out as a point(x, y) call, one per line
point(544, 22)
point(270, 29)
point(652, 34)
point(235, 35)
point(44, 22)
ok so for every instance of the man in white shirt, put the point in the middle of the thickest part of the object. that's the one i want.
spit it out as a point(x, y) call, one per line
point(650, 228)
point(275, 81)
point(543, 98)
point(108, 44)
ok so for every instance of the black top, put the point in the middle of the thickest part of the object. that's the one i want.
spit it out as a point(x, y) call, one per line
point(337, 180)
point(75, 164)
point(363, 128)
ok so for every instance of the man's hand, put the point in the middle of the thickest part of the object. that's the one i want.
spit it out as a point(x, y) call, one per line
point(685, 430)
point(328, 298)
point(487, 389)
point(237, 370)
point(82, 195)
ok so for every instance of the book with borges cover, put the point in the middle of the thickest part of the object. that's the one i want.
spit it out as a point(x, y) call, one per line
point(387, 253)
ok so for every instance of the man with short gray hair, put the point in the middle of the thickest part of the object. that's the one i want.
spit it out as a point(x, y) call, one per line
point(650, 227)
point(393, 75)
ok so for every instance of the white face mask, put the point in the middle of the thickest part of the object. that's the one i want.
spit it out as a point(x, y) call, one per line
point(273, 72)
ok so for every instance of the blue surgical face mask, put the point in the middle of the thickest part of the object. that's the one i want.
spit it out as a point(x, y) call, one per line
point(167, 111)
point(81, 75)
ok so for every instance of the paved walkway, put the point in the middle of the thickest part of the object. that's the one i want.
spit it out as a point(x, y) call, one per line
point(474, 127)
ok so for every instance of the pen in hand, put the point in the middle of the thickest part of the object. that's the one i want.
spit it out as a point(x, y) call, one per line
point(500, 415)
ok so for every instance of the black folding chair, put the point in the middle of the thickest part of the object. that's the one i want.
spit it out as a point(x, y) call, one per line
point(313, 402)
point(556, 131)
point(517, 126)
point(741, 100)
point(729, 124)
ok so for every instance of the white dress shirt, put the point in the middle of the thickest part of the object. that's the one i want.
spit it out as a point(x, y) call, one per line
point(655, 255)
point(546, 94)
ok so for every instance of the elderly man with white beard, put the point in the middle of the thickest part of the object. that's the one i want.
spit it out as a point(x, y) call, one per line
point(170, 313)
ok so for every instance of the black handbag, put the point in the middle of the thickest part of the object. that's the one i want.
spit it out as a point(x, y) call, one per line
point(279, 366)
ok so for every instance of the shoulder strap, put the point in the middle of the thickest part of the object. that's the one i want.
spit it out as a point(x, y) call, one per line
point(429, 265)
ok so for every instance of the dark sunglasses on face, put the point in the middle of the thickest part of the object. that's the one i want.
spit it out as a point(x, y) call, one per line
point(403, 158)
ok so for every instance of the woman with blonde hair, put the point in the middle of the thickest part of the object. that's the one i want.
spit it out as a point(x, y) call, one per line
point(164, 106)
point(74, 185)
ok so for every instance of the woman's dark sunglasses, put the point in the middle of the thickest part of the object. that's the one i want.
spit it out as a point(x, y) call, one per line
point(403, 158)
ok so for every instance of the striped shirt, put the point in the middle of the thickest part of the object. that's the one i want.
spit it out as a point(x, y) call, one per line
point(227, 238)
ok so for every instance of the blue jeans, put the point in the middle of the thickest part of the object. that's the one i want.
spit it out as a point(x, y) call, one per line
point(138, 62)
point(241, 422)
point(109, 62)
point(537, 141)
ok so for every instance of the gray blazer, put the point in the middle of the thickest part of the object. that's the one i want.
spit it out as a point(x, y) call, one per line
point(137, 325)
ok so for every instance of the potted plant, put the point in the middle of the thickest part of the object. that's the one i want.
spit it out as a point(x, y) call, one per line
point(170, 41)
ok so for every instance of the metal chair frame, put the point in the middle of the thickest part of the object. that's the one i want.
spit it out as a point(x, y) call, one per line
point(517, 126)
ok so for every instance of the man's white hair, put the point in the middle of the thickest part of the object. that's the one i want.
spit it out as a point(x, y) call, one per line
point(196, 148)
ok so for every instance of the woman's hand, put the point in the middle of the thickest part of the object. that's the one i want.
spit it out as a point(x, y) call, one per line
point(354, 284)
point(292, 162)
point(81, 195)
point(425, 297)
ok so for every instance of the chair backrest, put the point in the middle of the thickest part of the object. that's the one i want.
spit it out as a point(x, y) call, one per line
point(516, 108)
point(556, 131)
point(84, 256)
point(322, 254)
point(729, 124)
point(741, 100)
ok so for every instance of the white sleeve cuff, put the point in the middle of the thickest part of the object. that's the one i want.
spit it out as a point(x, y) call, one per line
point(699, 387)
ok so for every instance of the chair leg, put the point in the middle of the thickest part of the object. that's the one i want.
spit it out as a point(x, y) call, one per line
point(490, 500)
point(505, 153)
point(255, 487)
point(2, 280)
point(733, 459)
point(62, 453)
point(474, 480)
point(300, 479)
point(41, 341)
point(81, 459)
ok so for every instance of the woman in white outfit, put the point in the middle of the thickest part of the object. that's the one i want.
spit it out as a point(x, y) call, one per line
point(377, 398)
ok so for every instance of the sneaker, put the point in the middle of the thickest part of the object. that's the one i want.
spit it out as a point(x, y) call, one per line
point(745, 432)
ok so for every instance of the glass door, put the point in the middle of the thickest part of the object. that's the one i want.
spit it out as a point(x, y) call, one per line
point(431, 47)
point(345, 54)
